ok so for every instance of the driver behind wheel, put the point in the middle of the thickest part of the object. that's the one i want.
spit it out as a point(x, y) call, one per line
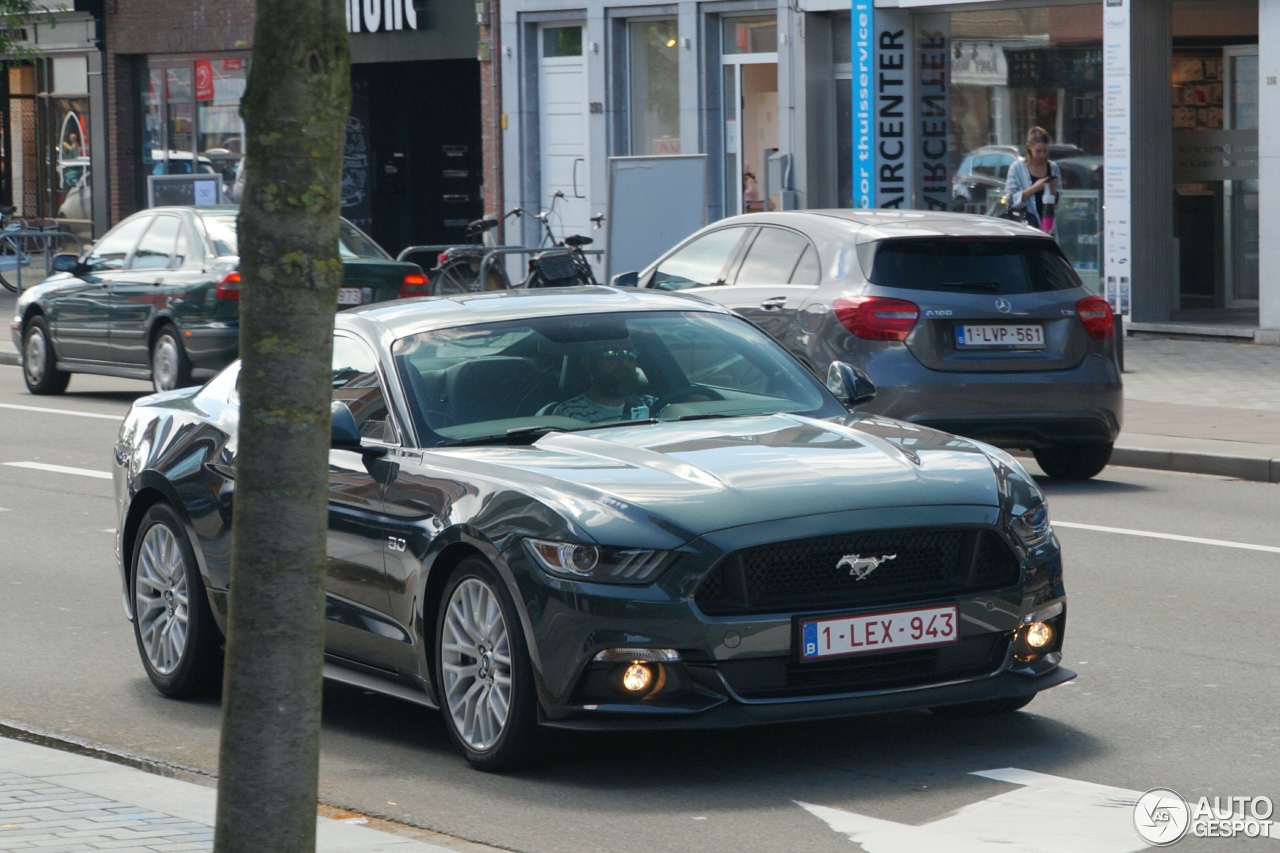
point(611, 396)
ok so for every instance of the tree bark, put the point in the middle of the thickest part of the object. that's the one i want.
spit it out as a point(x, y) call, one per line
point(295, 111)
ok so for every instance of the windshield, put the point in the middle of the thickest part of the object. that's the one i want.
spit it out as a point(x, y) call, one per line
point(352, 243)
point(1004, 266)
point(587, 371)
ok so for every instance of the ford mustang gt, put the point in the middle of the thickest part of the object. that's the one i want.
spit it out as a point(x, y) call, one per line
point(603, 508)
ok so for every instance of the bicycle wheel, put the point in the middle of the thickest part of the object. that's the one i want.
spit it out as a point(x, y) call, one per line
point(11, 258)
point(8, 285)
point(454, 276)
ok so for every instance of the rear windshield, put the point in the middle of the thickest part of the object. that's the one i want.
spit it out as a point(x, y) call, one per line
point(1004, 266)
point(352, 242)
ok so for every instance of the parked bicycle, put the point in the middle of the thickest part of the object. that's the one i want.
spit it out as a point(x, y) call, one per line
point(563, 263)
point(23, 239)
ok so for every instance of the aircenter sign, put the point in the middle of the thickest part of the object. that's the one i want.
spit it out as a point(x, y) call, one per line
point(883, 66)
point(371, 16)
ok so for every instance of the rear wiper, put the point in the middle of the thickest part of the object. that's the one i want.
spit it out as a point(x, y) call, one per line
point(519, 435)
point(984, 286)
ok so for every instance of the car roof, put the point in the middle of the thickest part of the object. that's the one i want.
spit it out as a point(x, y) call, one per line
point(402, 317)
point(868, 224)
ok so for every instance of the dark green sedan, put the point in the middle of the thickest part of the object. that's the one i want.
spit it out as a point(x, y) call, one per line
point(158, 298)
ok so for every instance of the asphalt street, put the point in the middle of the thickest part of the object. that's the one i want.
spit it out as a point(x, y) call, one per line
point(1173, 639)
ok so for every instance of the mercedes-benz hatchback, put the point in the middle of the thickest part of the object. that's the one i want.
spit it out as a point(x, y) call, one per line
point(970, 324)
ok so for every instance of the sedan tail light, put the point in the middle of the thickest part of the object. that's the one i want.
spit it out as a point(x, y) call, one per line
point(415, 284)
point(1095, 313)
point(877, 318)
point(228, 290)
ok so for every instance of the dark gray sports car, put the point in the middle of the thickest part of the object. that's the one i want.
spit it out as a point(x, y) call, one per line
point(600, 508)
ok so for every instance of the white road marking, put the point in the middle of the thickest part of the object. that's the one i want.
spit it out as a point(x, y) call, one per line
point(60, 469)
point(1221, 543)
point(1047, 814)
point(60, 411)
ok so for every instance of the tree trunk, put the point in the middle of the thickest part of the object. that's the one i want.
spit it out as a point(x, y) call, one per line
point(295, 112)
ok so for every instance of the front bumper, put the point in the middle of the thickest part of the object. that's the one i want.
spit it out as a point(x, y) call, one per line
point(745, 669)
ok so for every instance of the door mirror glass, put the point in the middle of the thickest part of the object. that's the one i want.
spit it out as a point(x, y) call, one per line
point(343, 432)
point(626, 279)
point(850, 385)
point(66, 262)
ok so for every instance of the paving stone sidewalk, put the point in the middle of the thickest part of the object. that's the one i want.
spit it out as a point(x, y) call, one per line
point(53, 801)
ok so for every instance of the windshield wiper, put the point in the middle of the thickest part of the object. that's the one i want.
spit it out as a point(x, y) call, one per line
point(984, 286)
point(639, 422)
point(709, 416)
point(519, 435)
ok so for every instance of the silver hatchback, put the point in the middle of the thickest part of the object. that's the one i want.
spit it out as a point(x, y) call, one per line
point(970, 324)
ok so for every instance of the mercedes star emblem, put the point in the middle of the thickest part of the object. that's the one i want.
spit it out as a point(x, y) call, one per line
point(1004, 306)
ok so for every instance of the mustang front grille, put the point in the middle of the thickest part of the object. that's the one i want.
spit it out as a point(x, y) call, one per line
point(855, 569)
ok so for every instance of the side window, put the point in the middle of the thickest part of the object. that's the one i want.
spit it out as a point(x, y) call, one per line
point(772, 257)
point(111, 252)
point(1005, 164)
point(986, 165)
point(699, 263)
point(155, 251)
point(808, 271)
point(355, 382)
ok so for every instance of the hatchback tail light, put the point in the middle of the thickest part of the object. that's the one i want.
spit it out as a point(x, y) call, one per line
point(1095, 313)
point(877, 318)
point(415, 284)
point(228, 290)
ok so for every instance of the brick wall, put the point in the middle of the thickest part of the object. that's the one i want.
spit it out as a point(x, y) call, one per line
point(136, 29)
point(490, 115)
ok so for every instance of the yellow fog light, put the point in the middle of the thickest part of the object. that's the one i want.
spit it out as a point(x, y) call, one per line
point(1038, 635)
point(637, 678)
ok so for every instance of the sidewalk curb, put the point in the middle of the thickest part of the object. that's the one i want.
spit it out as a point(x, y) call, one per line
point(14, 730)
point(1254, 468)
point(7, 357)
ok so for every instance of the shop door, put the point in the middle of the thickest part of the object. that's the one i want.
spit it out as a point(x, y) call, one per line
point(562, 94)
point(1240, 197)
point(750, 130)
point(412, 167)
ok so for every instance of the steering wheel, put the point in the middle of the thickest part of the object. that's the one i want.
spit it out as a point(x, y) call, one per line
point(682, 394)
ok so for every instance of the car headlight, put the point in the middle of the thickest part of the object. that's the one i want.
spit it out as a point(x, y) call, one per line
point(583, 561)
point(1032, 527)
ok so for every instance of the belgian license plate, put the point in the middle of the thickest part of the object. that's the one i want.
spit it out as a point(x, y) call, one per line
point(878, 632)
point(1000, 335)
point(349, 296)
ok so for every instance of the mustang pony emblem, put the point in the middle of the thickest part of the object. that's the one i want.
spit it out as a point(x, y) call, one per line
point(860, 566)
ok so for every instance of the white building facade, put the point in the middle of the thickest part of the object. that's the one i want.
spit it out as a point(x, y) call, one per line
point(1157, 108)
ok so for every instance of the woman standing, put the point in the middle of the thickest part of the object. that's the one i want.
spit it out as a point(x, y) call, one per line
point(1033, 184)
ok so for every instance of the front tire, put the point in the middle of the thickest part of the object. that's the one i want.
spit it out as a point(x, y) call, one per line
point(39, 362)
point(170, 366)
point(1074, 461)
point(484, 679)
point(173, 625)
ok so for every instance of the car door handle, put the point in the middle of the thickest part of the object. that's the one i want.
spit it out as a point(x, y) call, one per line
point(774, 303)
point(157, 282)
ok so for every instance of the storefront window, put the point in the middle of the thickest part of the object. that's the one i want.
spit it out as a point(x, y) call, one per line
point(191, 118)
point(655, 88)
point(841, 53)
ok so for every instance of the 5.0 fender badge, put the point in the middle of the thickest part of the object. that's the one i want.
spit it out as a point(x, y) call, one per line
point(860, 566)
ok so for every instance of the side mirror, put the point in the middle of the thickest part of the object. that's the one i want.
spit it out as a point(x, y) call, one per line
point(849, 384)
point(343, 432)
point(67, 262)
point(626, 279)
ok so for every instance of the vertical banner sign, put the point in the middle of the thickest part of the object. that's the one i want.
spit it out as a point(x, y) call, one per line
point(1117, 266)
point(864, 135)
point(204, 80)
point(933, 110)
point(893, 115)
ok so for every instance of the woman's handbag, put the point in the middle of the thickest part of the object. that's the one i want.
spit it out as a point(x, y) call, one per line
point(1002, 210)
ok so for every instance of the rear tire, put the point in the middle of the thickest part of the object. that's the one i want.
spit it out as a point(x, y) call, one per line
point(484, 679)
point(1074, 461)
point(985, 708)
point(180, 645)
point(170, 366)
point(39, 363)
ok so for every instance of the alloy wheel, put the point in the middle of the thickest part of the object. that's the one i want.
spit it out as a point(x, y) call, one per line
point(160, 598)
point(475, 659)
